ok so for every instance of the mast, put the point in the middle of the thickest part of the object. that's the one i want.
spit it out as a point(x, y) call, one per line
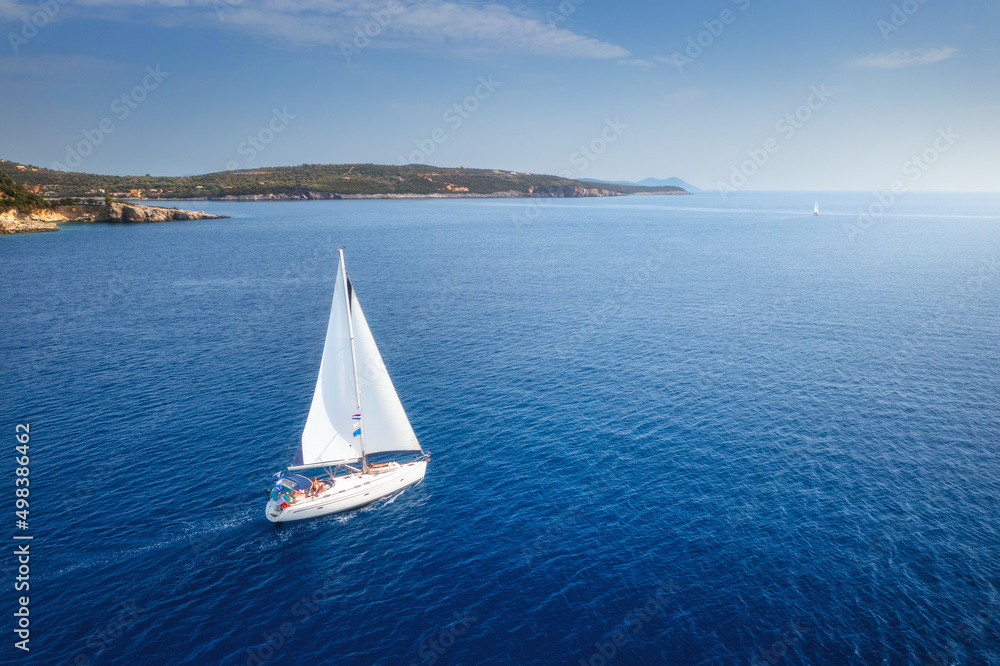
point(354, 357)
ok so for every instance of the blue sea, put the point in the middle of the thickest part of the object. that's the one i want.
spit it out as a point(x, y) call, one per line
point(665, 430)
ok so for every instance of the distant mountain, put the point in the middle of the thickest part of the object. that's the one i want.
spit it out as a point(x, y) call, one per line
point(672, 182)
point(648, 182)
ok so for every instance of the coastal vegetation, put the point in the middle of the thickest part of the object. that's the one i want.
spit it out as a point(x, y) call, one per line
point(312, 181)
point(15, 195)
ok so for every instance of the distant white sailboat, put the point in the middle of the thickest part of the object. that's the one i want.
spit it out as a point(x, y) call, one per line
point(340, 432)
point(816, 208)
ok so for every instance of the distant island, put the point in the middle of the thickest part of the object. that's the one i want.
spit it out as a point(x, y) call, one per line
point(318, 181)
point(648, 182)
point(23, 210)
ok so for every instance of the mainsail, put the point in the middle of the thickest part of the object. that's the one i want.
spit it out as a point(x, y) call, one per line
point(329, 436)
point(383, 420)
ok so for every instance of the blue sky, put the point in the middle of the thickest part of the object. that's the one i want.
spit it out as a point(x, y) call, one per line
point(777, 95)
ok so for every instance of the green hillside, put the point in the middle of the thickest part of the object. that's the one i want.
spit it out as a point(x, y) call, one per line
point(15, 195)
point(326, 179)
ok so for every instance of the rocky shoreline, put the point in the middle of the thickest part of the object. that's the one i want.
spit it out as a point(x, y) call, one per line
point(48, 219)
point(540, 191)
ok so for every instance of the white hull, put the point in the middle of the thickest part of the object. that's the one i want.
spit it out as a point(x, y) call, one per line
point(350, 492)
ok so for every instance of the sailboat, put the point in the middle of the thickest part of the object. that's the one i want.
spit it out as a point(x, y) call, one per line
point(355, 414)
point(816, 208)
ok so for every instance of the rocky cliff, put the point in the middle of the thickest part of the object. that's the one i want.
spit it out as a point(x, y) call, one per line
point(134, 213)
point(48, 219)
point(15, 222)
point(571, 191)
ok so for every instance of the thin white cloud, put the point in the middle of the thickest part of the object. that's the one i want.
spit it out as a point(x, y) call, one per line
point(461, 26)
point(900, 59)
point(672, 60)
point(636, 62)
point(500, 27)
point(14, 10)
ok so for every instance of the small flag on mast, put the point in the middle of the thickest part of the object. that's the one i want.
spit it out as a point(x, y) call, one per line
point(357, 417)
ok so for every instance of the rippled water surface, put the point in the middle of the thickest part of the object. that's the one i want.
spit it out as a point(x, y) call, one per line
point(665, 430)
